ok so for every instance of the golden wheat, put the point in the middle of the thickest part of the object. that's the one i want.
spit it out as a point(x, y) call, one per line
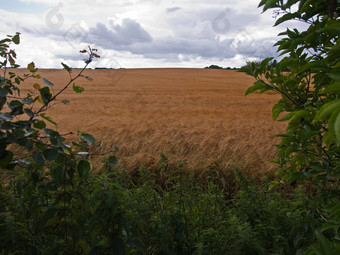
point(197, 115)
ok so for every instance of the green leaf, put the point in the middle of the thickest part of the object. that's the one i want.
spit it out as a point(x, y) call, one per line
point(325, 244)
point(49, 214)
point(330, 224)
point(11, 60)
point(54, 136)
point(113, 160)
point(45, 94)
point(337, 129)
point(335, 51)
point(15, 104)
point(333, 208)
point(286, 17)
point(282, 33)
point(327, 139)
point(48, 119)
point(40, 146)
point(305, 4)
point(66, 67)
point(245, 69)
point(334, 125)
point(334, 87)
point(48, 82)
point(88, 138)
point(83, 168)
point(77, 89)
point(67, 149)
point(4, 41)
point(65, 101)
point(39, 124)
point(262, 3)
point(50, 154)
point(27, 101)
point(38, 158)
point(58, 174)
point(335, 75)
point(314, 66)
point(332, 29)
point(269, 4)
point(264, 63)
point(16, 107)
point(6, 116)
point(5, 159)
point(3, 92)
point(29, 145)
point(277, 109)
point(31, 67)
point(75, 230)
point(31, 132)
point(18, 133)
point(29, 112)
point(258, 85)
point(288, 116)
point(16, 39)
point(295, 120)
point(327, 109)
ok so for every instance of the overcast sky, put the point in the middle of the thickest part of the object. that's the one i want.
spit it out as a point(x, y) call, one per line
point(140, 33)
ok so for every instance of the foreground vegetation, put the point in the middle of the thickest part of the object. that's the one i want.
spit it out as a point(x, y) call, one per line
point(154, 212)
point(52, 203)
point(308, 80)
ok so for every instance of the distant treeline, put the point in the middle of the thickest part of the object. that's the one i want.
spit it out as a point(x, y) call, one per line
point(107, 68)
point(219, 67)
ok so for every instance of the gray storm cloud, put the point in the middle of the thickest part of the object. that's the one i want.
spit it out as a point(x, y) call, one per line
point(196, 39)
point(129, 32)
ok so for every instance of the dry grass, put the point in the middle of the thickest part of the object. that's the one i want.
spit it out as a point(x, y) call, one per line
point(197, 115)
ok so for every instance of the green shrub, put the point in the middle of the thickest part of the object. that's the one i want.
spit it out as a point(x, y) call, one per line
point(213, 67)
point(309, 151)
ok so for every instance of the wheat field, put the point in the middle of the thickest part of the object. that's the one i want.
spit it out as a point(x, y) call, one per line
point(198, 115)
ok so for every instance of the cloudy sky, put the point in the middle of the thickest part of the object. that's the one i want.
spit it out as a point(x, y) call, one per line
point(140, 33)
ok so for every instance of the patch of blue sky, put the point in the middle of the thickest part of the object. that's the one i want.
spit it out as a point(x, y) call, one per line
point(18, 6)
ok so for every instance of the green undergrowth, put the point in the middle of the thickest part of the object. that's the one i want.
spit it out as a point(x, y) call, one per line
point(217, 211)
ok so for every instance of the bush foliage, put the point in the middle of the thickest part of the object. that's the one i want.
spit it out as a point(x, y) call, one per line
point(308, 80)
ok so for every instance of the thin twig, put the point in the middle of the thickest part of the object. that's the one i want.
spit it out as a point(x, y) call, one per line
point(45, 106)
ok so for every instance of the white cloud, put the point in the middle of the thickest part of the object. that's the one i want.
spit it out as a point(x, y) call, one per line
point(177, 33)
